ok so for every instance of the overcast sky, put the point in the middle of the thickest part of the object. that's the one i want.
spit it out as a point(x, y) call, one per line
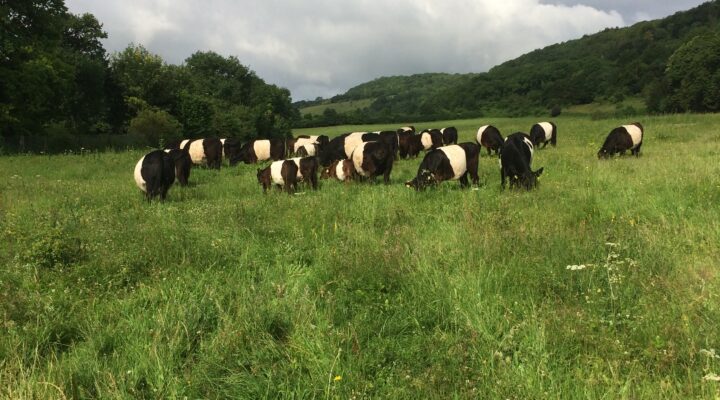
point(324, 47)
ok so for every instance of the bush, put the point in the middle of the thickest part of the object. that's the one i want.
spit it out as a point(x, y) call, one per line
point(555, 111)
point(156, 126)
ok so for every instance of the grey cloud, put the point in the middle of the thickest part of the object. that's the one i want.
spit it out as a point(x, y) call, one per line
point(323, 47)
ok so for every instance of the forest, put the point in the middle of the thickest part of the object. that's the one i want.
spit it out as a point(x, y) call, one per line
point(671, 63)
point(60, 89)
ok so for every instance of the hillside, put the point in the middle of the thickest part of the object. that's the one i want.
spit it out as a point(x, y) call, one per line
point(604, 67)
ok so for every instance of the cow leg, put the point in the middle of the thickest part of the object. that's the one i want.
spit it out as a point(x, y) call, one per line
point(637, 150)
point(386, 175)
point(488, 150)
point(502, 178)
point(464, 181)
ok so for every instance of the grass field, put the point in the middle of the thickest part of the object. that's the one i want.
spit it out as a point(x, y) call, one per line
point(340, 107)
point(601, 284)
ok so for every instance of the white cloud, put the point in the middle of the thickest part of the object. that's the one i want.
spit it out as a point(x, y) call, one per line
point(323, 47)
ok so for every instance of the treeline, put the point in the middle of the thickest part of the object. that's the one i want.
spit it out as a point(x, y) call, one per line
point(60, 89)
point(671, 63)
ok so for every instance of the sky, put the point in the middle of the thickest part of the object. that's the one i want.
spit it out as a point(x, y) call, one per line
point(320, 48)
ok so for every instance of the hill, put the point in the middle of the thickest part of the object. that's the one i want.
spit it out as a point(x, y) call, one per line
point(608, 66)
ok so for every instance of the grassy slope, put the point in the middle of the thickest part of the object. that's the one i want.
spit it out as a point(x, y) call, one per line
point(369, 290)
point(340, 107)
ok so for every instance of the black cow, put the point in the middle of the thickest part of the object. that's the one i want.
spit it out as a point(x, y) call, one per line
point(622, 139)
point(543, 132)
point(390, 138)
point(341, 147)
point(448, 163)
point(307, 170)
point(404, 136)
point(372, 159)
point(261, 150)
point(449, 135)
point(489, 137)
point(515, 162)
point(342, 170)
point(204, 151)
point(183, 164)
point(155, 173)
point(282, 173)
point(231, 150)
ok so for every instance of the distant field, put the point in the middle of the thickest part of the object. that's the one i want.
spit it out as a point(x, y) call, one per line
point(601, 284)
point(340, 107)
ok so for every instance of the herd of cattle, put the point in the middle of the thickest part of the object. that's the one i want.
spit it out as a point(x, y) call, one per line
point(367, 155)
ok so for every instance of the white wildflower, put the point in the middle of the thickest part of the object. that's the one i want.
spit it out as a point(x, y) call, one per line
point(712, 377)
point(576, 267)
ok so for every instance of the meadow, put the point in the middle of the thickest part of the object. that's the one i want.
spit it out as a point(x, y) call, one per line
point(601, 283)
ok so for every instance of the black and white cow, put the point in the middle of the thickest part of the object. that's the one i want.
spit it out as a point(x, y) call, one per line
point(449, 135)
point(295, 144)
point(307, 170)
point(372, 159)
point(543, 132)
point(342, 170)
point(490, 138)
point(204, 151)
point(516, 160)
point(341, 147)
point(261, 150)
point(622, 139)
point(282, 173)
point(390, 138)
point(307, 150)
point(155, 173)
point(453, 162)
point(183, 164)
point(431, 139)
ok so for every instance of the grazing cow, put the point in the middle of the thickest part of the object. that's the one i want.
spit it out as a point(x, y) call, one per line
point(282, 173)
point(342, 146)
point(307, 150)
point(262, 150)
point(543, 132)
point(205, 152)
point(622, 139)
point(453, 162)
point(449, 135)
point(231, 150)
point(431, 139)
point(183, 164)
point(307, 170)
point(295, 144)
point(155, 173)
point(342, 170)
point(489, 137)
point(372, 159)
point(390, 138)
point(516, 160)
point(404, 137)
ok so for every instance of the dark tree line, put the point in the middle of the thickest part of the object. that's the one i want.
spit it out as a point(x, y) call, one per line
point(671, 63)
point(57, 82)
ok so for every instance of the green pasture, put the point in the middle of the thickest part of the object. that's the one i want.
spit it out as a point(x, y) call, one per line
point(600, 284)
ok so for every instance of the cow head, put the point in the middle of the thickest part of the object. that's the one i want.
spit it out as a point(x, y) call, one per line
point(604, 153)
point(529, 180)
point(423, 179)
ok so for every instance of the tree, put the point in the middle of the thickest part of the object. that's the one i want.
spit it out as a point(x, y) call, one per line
point(157, 126)
point(693, 75)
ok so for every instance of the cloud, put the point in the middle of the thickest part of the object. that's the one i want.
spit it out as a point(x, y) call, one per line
point(323, 47)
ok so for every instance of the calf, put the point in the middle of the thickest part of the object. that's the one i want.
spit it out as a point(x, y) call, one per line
point(155, 173)
point(282, 173)
point(205, 152)
point(449, 135)
point(489, 137)
point(622, 139)
point(452, 162)
point(183, 164)
point(261, 150)
point(342, 170)
point(307, 170)
point(543, 132)
point(515, 162)
point(372, 159)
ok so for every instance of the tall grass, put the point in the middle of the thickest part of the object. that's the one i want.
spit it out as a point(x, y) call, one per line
point(367, 290)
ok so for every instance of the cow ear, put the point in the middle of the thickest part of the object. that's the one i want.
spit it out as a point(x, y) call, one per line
point(539, 172)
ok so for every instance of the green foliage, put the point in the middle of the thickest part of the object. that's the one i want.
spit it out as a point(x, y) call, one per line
point(157, 126)
point(693, 73)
